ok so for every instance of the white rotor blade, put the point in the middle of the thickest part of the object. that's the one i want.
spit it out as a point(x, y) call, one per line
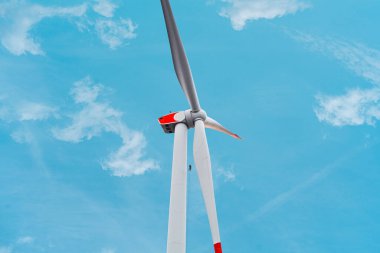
point(203, 165)
point(177, 210)
point(213, 124)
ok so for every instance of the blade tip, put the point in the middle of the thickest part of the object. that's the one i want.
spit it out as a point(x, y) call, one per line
point(236, 136)
point(218, 247)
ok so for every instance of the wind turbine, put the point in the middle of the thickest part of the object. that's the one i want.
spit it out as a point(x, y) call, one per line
point(179, 123)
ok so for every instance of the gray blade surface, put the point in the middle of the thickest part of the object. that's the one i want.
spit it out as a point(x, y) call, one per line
point(180, 62)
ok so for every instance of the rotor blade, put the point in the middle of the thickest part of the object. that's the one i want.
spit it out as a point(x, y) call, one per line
point(213, 124)
point(203, 165)
point(177, 210)
point(181, 64)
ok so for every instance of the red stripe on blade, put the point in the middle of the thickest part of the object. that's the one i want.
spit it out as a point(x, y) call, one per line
point(218, 247)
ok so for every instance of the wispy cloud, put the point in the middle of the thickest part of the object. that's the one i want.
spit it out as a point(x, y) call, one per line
point(105, 8)
point(114, 33)
point(362, 60)
point(35, 111)
point(25, 111)
point(25, 240)
point(18, 18)
point(357, 106)
point(242, 11)
point(284, 197)
point(107, 250)
point(22, 136)
point(96, 117)
point(228, 174)
point(5, 249)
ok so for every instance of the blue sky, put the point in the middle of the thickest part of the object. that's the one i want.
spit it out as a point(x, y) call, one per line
point(85, 167)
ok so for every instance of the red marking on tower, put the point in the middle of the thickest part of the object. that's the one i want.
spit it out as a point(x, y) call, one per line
point(218, 247)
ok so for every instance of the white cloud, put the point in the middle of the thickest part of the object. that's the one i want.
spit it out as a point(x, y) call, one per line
point(21, 18)
point(97, 117)
point(127, 160)
point(114, 33)
point(228, 174)
point(242, 11)
point(84, 92)
point(5, 250)
point(356, 107)
point(105, 8)
point(25, 240)
point(35, 111)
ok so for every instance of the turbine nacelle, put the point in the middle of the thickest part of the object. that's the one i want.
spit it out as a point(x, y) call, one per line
point(189, 117)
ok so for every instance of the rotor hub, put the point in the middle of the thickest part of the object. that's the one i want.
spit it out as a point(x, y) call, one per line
point(191, 117)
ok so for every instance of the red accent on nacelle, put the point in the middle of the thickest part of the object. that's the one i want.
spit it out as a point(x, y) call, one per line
point(218, 247)
point(167, 119)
